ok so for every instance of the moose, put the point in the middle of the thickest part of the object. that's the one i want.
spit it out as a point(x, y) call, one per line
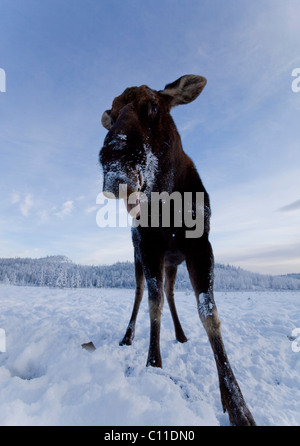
point(142, 153)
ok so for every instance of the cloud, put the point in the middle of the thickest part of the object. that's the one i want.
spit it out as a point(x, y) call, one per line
point(276, 253)
point(15, 198)
point(91, 209)
point(190, 124)
point(106, 247)
point(26, 205)
point(66, 209)
point(280, 258)
point(43, 216)
point(291, 207)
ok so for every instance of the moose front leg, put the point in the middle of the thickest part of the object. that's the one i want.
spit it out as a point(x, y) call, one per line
point(152, 261)
point(139, 290)
point(200, 267)
point(156, 300)
point(231, 395)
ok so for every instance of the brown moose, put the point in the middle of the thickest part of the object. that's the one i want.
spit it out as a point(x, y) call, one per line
point(142, 154)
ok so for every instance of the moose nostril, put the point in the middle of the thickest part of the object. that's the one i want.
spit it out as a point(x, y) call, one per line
point(109, 194)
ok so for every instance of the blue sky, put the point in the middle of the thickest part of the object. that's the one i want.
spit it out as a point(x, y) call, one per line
point(66, 60)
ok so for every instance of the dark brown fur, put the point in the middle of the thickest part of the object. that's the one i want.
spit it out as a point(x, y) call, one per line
point(140, 125)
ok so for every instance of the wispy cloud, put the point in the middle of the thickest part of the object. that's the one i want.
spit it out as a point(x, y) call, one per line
point(15, 198)
point(91, 209)
point(26, 205)
point(66, 209)
point(114, 245)
point(43, 216)
point(43, 209)
point(190, 124)
point(277, 259)
point(291, 207)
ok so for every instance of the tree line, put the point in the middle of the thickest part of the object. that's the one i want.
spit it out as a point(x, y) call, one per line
point(60, 272)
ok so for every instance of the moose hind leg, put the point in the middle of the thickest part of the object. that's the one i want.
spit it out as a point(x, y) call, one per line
point(202, 281)
point(170, 278)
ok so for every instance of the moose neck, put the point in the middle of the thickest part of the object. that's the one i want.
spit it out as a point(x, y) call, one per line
point(176, 167)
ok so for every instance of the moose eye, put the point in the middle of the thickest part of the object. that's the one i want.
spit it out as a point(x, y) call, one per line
point(152, 110)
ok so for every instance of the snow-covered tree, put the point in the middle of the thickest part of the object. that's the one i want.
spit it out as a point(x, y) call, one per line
point(59, 271)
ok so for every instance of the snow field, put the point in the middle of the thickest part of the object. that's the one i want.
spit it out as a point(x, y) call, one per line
point(46, 378)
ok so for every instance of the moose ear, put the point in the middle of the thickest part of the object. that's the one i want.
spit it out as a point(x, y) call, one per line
point(106, 120)
point(184, 90)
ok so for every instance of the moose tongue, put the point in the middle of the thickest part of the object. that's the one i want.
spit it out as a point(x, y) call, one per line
point(133, 209)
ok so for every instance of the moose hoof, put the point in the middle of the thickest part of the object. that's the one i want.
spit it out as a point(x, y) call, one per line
point(238, 412)
point(154, 362)
point(181, 338)
point(127, 340)
point(241, 417)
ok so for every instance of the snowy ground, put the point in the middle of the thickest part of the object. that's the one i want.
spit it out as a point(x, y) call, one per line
point(46, 378)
